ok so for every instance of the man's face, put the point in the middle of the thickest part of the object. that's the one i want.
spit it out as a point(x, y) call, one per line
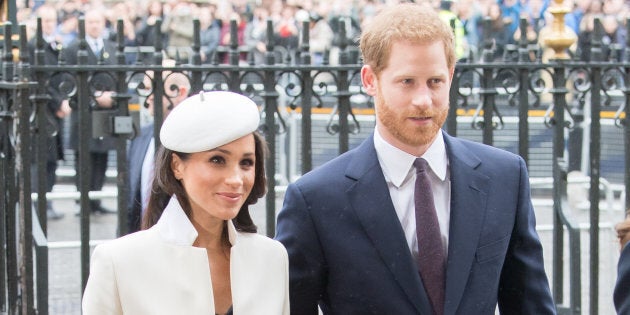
point(411, 95)
point(49, 21)
point(94, 24)
point(174, 93)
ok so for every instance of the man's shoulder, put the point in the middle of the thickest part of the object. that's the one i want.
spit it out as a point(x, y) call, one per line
point(460, 145)
point(335, 166)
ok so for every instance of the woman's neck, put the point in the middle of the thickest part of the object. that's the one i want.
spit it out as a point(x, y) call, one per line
point(210, 233)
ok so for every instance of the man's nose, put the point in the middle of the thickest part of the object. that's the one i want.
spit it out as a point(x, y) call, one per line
point(421, 96)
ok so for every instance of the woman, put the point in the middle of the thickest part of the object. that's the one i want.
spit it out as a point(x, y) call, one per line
point(198, 252)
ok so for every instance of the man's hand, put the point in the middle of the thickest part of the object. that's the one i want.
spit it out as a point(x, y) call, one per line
point(104, 99)
point(64, 110)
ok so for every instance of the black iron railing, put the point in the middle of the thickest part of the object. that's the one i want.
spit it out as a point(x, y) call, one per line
point(485, 95)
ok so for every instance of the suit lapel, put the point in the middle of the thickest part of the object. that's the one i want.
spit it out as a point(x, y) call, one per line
point(468, 204)
point(381, 224)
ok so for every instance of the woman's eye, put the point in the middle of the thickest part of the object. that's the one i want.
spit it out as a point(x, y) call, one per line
point(217, 159)
point(247, 162)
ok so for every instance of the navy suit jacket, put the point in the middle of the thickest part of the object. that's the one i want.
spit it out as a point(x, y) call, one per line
point(347, 250)
point(621, 295)
point(106, 82)
point(135, 157)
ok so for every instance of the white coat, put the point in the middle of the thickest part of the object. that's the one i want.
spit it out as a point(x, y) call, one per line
point(158, 271)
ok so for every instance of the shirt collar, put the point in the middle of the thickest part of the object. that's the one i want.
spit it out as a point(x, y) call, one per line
point(396, 163)
point(176, 228)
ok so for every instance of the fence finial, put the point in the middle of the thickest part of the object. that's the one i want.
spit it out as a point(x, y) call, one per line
point(560, 38)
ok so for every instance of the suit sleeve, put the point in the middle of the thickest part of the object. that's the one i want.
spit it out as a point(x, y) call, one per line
point(101, 295)
point(621, 296)
point(523, 287)
point(296, 231)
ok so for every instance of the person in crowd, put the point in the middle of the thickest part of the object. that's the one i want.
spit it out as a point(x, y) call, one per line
point(429, 223)
point(321, 38)
point(67, 29)
point(511, 13)
point(123, 11)
point(448, 13)
point(178, 25)
point(621, 294)
point(141, 152)
point(286, 28)
point(573, 19)
point(57, 106)
point(499, 31)
point(256, 34)
point(469, 13)
point(199, 252)
point(226, 35)
point(100, 49)
point(146, 33)
point(210, 36)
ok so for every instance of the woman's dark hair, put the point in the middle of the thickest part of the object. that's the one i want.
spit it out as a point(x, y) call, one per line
point(165, 185)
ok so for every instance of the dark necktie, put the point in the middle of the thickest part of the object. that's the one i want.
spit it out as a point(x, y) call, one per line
point(431, 258)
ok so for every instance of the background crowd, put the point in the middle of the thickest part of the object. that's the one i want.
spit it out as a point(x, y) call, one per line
point(325, 15)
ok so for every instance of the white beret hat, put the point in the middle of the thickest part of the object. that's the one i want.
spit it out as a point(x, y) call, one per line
point(209, 120)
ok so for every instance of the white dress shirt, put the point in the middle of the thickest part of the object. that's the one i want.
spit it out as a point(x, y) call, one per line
point(96, 44)
point(400, 176)
point(146, 175)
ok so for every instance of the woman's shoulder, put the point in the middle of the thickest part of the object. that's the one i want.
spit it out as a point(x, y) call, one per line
point(128, 243)
point(260, 243)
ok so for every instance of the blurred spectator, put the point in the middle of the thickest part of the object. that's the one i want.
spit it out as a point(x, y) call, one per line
point(573, 19)
point(511, 12)
point(57, 106)
point(210, 33)
point(178, 24)
point(68, 28)
point(226, 36)
point(448, 15)
point(122, 11)
point(147, 32)
point(469, 13)
point(534, 11)
point(256, 34)
point(286, 28)
point(499, 29)
point(614, 39)
point(321, 38)
point(100, 49)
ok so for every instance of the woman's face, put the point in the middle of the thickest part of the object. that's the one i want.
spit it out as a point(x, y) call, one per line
point(218, 181)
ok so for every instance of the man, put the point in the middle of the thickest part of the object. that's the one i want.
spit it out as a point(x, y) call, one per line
point(141, 153)
point(358, 240)
point(100, 49)
point(57, 106)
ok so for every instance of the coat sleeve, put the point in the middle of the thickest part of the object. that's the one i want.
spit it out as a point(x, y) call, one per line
point(286, 310)
point(101, 293)
point(296, 231)
point(524, 288)
point(621, 296)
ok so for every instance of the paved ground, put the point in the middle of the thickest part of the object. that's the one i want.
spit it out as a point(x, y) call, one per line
point(64, 260)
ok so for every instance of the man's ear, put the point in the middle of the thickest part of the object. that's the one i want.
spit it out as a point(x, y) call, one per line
point(368, 78)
